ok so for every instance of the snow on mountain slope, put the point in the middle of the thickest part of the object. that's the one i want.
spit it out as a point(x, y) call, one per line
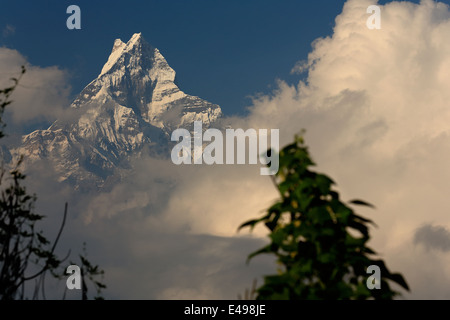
point(134, 103)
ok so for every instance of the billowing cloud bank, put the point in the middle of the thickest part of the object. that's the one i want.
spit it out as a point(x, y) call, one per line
point(376, 109)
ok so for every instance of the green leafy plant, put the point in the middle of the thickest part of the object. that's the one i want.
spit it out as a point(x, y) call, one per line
point(320, 242)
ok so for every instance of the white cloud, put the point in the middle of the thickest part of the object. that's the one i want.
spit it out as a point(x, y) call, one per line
point(42, 94)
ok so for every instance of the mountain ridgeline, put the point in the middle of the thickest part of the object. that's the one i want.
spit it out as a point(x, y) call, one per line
point(129, 110)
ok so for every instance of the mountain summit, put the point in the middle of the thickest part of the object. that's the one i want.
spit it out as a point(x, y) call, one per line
point(138, 76)
point(133, 103)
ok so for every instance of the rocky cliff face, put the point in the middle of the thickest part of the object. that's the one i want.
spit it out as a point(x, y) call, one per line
point(130, 108)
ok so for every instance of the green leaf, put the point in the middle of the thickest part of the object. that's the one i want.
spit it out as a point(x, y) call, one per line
point(358, 217)
point(267, 249)
point(398, 278)
point(324, 183)
point(362, 203)
point(42, 239)
point(278, 236)
point(326, 258)
point(250, 223)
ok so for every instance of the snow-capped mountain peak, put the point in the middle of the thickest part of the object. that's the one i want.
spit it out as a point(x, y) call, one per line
point(134, 102)
point(115, 54)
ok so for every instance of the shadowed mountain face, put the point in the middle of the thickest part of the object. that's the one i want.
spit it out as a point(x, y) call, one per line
point(130, 109)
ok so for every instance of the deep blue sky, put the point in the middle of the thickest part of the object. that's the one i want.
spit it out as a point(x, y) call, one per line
point(222, 51)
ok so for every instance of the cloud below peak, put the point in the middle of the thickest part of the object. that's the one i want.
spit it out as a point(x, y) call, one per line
point(42, 93)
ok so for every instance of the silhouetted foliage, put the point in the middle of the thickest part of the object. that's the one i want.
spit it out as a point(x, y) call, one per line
point(25, 253)
point(320, 243)
point(20, 243)
point(90, 271)
point(5, 101)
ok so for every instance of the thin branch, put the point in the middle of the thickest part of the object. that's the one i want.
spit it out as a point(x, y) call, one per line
point(53, 247)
